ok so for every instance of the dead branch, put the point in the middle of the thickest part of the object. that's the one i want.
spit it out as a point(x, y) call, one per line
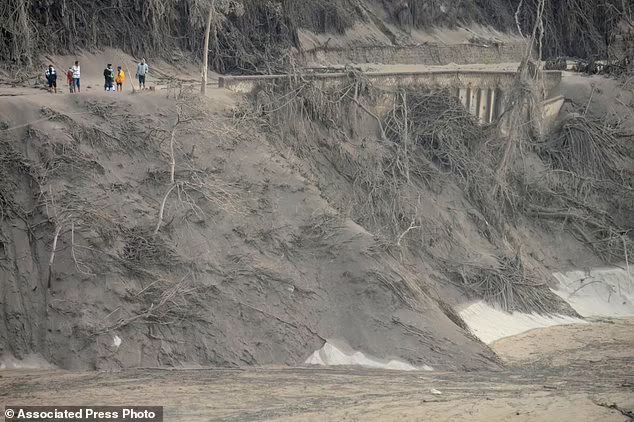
point(411, 227)
point(162, 305)
point(80, 266)
point(58, 229)
point(162, 207)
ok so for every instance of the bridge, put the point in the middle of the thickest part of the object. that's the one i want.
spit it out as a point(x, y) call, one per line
point(482, 92)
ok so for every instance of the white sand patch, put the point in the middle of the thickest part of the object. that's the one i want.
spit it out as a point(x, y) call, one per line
point(601, 292)
point(490, 324)
point(116, 341)
point(31, 361)
point(342, 354)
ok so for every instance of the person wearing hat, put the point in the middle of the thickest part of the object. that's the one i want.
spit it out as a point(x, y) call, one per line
point(51, 78)
point(108, 75)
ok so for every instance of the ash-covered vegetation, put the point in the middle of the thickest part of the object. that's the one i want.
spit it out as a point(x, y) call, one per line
point(508, 178)
point(257, 36)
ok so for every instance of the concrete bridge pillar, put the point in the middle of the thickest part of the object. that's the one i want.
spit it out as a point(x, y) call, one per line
point(499, 103)
point(492, 95)
point(486, 104)
point(483, 106)
point(474, 94)
point(463, 95)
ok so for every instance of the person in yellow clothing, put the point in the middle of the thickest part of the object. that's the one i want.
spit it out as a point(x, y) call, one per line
point(120, 79)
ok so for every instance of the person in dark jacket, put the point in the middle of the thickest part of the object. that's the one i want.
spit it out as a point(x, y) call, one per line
point(51, 78)
point(108, 75)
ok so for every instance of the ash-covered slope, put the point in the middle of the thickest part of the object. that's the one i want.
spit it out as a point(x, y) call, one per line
point(162, 229)
point(247, 263)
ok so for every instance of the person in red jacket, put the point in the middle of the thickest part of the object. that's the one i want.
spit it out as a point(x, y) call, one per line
point(69, 79)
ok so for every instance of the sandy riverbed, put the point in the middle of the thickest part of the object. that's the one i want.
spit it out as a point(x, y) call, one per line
point(574, 372)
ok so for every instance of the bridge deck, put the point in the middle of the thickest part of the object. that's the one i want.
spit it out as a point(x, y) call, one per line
point(482, 91)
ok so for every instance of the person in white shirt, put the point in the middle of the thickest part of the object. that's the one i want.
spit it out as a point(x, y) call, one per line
point(76, 76)
point(142, 70)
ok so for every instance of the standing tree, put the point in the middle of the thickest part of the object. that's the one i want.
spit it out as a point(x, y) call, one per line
point(203, 87)
point(16, 34)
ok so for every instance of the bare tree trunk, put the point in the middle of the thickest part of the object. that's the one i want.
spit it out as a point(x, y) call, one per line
point(203, 87)
point(24, 47)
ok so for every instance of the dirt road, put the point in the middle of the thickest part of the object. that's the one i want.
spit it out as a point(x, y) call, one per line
point(576, 372)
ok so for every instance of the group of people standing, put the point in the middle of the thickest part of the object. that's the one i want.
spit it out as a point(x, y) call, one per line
point(73, 77)
point(110, 78)
point(113, 81)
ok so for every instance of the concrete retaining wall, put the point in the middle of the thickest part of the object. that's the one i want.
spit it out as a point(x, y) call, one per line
point(431, 54)
point(389, 80)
